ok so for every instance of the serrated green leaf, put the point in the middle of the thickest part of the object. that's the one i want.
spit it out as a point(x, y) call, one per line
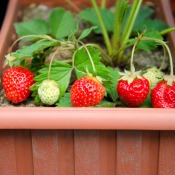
point(60, 72)
point(89, 15)
point(31, 27)
point(112, 84)
point(29, 51)
point(82, 61)
point(148, 45)
point(64, 101)
point(86, 32)
point(62, 23)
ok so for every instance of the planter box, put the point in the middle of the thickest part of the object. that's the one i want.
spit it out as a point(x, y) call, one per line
point(83, 141)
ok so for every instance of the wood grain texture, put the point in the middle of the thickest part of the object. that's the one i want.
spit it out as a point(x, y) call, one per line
point(129, 148)
point(167, 153)
point(7, 153)
point(45, 152)
point(107, 151)
point(150, 152)
point(86, 144)
point(23, 151)
point(65, 152)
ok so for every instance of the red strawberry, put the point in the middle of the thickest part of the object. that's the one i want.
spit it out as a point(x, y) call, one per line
point(133, 89)
point(87, 91)
point(163, 95)
point(16, 82)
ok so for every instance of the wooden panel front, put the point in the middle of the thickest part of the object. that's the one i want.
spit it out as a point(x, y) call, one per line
point(86, 152)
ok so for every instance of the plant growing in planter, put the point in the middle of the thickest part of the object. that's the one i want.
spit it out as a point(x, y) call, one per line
point(97, 65)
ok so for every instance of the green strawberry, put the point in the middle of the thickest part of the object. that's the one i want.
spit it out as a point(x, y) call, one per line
point(49, 92)
point(153, 75)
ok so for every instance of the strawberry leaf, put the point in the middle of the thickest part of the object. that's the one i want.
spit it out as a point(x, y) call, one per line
point(60, 72)
point(32, 27)
point(61, 23)
point(89, 15)
point(111, 86)
point(29, 51)
point(82, 62)
point(86, 32)
point(108, 75)
point(64, 101)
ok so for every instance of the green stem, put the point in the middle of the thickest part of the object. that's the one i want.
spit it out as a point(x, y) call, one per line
point(51, 60)
point(107, 58)
point(167, 48)
point(105, 34)
point(120, 11)
point(131, 20)
point(132, 56)
point(166, 31)
point(89, 55)
point(103, 4)
point(129, 25)
point(35, 36)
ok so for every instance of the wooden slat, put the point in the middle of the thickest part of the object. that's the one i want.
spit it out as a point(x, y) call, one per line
point(129, 148)
point(45, 152)
point(107, 148)
point(167, 153)
point(65, 152)
point(150, 152)
point(86, 144)
point(23, 149)
point(7, 153)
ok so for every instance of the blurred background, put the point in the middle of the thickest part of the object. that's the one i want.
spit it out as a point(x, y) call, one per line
point(3, 6)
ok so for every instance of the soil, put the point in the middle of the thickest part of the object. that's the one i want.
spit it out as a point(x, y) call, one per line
point(142, 60)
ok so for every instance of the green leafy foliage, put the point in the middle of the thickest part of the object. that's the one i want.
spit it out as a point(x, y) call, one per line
point(60, 72)
point(109, 76)
point(64, 101)
point(29, 51)
point(62, 23)
point(86, 32)
point(32, 27)
point(148, 45)
point(90, 16)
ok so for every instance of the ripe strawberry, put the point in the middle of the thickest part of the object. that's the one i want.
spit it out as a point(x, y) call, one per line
point(87, 91)
point(49, 92)
point(16, 83)
point(133, 89)
point(153, 75)
point(163, 95)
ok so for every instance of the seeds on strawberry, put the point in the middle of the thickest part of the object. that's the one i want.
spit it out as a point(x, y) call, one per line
point(49, 92)
point(16, 82)
point(133, 92)
point(87, 91)
point(163, 95)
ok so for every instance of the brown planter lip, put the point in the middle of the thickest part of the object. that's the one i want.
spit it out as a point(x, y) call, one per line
point(79, 118)
point(87, 118)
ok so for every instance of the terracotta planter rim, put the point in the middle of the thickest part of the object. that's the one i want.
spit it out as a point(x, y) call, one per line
point(86, 118)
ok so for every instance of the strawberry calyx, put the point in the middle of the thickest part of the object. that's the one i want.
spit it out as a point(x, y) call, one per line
point(169, 79)
point(130, 76)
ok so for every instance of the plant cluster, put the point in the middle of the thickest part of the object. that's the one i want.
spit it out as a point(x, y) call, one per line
point(90, 77)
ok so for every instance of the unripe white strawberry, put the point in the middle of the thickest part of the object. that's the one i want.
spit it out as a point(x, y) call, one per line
point(49, 92)
point(153, 75)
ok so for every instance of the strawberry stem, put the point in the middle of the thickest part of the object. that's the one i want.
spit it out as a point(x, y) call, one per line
point(35, 36)
point(166, 47)
point(90, 57)
point(132, 68)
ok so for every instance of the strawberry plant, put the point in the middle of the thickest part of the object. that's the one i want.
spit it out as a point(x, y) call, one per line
point(90, 73)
